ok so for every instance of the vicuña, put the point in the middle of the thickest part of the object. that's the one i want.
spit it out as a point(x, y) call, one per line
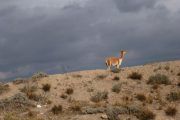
point(115, 61)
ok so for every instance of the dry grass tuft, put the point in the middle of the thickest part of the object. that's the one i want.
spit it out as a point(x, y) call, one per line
point(46, 87)
point(167, 68)
point(56, 109)
point(178, 74)
point(29, 88)
point(135, 76)
point(171, 111)
point(116, 78)
point(18, 103)
point(101, 76)
point(39, 75)
point(18, 81)
point(173, 96)
point(69, 91)
point(141, 97)
point(77, 76)
point(155, 86)
point(158, 79)
point(99, 96)
point(63, 96)
point(178, 84)
point(145, 114)
point(116, 70)
point(31, 114)
point(10, 116)
point(4, 88)
point(116, 88)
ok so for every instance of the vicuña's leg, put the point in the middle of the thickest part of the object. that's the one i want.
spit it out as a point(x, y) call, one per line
point(118, 66)
point(109, 67)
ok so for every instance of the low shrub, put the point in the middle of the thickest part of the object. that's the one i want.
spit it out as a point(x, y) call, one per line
point(77, 76)
point(146, 115)
point(116, 70)
point(18, 81)
point(158, 79)
point(4, 88)
point(63, 96)
point(101, 76)
point(116, 88)
point(18, 102)
point(29, 87)
point(155, 86)
point(167, 68)
point(178, 84)
point(116, 78)
point(39, 75)
point(173, 96)
point(141, 97)
point(46, 87)
point(10, 116)
point(99, 96)
point(56, 109)
point(178, 74)
point(69, 91)
point(135, 76)
point(171, 111)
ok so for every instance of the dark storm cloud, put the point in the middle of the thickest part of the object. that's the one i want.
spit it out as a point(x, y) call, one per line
point(64, 36)
point(134, 5)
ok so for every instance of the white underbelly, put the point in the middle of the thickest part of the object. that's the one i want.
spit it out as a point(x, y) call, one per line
point(118, 63)
point(114, 64)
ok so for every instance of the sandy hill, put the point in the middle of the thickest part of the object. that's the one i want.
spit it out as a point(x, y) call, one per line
point(146, 92)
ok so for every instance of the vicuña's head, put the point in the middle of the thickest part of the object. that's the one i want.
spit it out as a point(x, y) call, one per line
point(123, 52)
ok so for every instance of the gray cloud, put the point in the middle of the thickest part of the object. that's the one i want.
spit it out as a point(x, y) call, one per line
point(134, 5)
point(79, 35)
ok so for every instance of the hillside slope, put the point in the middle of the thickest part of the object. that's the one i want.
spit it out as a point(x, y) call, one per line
point(150, 91)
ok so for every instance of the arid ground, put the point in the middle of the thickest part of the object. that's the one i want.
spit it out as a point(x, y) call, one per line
point(145, 92)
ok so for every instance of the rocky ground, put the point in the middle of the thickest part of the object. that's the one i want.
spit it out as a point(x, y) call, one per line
point(146, 92)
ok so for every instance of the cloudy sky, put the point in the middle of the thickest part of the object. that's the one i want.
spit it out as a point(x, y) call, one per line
point(56, 36)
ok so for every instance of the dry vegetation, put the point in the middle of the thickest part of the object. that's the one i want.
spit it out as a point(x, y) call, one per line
point(135, 76)
point(149, 92)
point(3, 88)
point(159, 79)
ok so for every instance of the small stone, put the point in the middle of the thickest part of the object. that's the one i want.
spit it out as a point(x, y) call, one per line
point(104, 117)
point(39, 106)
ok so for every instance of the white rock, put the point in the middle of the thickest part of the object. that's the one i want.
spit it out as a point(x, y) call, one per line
point(39, 106)
point(104, 116)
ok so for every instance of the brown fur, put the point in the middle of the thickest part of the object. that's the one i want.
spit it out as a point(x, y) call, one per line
point(116, 61)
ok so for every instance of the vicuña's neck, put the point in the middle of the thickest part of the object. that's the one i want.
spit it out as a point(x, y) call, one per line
point(121, 56)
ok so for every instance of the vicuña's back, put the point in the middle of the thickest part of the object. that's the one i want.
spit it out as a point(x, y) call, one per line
point(115, 61)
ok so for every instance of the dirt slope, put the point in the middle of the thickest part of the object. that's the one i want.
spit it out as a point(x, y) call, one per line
point(120, 89)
